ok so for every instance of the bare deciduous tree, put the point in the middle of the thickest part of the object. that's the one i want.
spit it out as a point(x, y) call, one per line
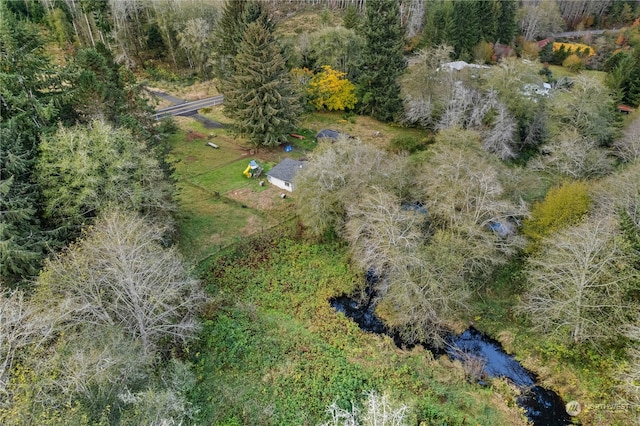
point(578, 283)
point(378, 410)
point(627, 148)
point(22, 324)
point(412, 16)
point(95, 364)
point(540, 19)
point(381, 231)
point(195, 39)
point(586, 107)
point(469, 108)
point(421, 297)
point(620, 191)
point(120, 274)
point(461, 184)
point(574, 156)
point(430, 60)
point(461, 106)
point(499, 139)
point(428, 86)
point(461, 188)
point(418, 110)
point(337, 175)
point(484, 103)
point(574, 11)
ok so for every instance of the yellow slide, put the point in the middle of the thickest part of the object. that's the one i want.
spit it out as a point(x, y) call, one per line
point(247, 171)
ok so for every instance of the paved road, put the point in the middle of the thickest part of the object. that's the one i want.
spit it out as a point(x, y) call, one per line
point(573, 34)
point(187, 109)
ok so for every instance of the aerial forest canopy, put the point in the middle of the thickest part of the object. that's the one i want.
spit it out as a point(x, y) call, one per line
point(84, 184)
point(503, 190)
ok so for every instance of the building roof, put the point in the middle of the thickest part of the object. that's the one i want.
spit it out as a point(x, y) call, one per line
point(331, 134)
point(459, 65)
point(286, 170)
point(543, 43)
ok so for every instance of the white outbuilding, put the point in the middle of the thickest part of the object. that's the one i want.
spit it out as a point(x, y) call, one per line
point(282, 174)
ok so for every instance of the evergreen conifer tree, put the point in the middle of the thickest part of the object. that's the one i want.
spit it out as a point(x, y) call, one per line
point(467, 28)
point(236, 16)
point(488, 13)
point(383, 61)
point(229, 33)
point(259, 95)
point(351, 19)
point(507, 24)
point(26, 108)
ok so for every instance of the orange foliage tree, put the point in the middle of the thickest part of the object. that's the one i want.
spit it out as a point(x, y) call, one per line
point(331, 90)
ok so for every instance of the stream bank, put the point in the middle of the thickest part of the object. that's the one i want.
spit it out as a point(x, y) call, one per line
point(543, 407)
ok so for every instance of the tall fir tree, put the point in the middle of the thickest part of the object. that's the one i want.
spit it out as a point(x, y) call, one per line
point(439, 23)
point(507, 24)
point(383, 61)
point(229, 33)
point(468, 31)
point(488, 16)
point(259, 95)
point(236, 16)
point(27, 95)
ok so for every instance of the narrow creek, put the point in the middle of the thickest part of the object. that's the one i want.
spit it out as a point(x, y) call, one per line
point(543, 407)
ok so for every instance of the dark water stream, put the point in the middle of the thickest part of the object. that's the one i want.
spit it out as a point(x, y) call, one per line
point(543, 407)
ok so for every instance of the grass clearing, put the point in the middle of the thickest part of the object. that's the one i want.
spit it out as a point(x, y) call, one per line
point(560, 71)
point(218, 205)
point(365, 128)
point(308, 20)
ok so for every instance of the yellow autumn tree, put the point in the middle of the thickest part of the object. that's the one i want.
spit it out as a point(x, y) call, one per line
point(563, 206)
point(573, 62)
point(329, 89)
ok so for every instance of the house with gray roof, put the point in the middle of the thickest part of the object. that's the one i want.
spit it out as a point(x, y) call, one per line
point(282, 174)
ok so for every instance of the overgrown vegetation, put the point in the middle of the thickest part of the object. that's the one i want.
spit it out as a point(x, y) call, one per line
point(270, 324)
point(482, 195)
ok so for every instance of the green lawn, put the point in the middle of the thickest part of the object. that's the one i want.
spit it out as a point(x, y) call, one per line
point(560, 71)
point(214, 197)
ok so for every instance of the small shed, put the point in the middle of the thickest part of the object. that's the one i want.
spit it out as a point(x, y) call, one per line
point(331, 135)
point(283, 173)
